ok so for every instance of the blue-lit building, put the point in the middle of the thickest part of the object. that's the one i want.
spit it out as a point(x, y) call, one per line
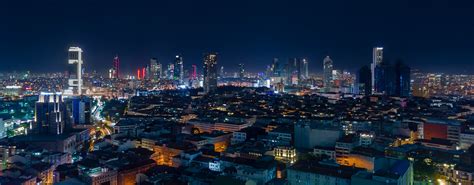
point(80, 108)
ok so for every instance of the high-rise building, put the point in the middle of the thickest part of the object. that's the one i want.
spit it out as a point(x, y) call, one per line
point(193, 72)
point(75, 70)
point(210, 72)
point(170, 71)
point(292, 72)
point(116, 67)
point(50, 114)
point(80, 107)
point(365, 80)
point(385, 79)
point(178, 69)
point(377, 58)
point(155, 69)
point(241, 71)
point(327, 71)
point(304, 68)
point(403, 80)
point(276, 69)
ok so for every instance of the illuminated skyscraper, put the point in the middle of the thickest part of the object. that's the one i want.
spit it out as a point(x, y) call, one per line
point(292, 71)
point(377, 58)
point(75, 71)
point(327, 72)
point(155, 69)
point(194, 72)
point(178, 69)
point(304, 69)
point(276, 68)
point(210, 72)
point(50, 114)
point(116, 64)
point(241, 71)
point(170, 71)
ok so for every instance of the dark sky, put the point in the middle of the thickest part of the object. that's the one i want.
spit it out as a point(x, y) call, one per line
point(433, 35)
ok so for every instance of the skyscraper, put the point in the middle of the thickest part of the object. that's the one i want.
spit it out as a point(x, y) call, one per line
point(193, 72)
point(276, 68)
point(170, 71)
point(377, 58)
point(116, 67)
point(385, 79)
point(178, 69)
point(241, 71)
point(210, 72)
point(365, 80)
point(292, 72)
point(403, 79)
point(50, 114)
point(327, 71)
point(80, 107)
point(304, 68)
point(75, 70)
point(155, 69)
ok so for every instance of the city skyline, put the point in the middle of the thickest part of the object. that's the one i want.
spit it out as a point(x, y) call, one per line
point(236, 92)
point(416, 32)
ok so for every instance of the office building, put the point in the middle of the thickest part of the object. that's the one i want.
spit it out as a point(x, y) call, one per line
point(304, 68)
point(80, 108)
point(210, 72)
point(241, 71)
point(178, 69)
point(403, 79)
point(155, 69)
point(385, 79)
point(292, 71)
point(377, 58)
point(365, 80)
point(75, 70)
point(310, 135)
point(116, 67)
point(327, 71)
point(50, 114)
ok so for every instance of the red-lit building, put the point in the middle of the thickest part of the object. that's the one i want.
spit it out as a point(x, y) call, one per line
point(440, 128)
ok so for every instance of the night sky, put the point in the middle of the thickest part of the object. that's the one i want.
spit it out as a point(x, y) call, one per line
point(432, 35)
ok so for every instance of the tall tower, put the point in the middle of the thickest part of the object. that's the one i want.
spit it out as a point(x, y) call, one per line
point(155, 69)
point(292, 71)
point(327, 73)
point(304, 68)
point(377, 58)
point(116, 64)
point(194, 72)
point(178, 69)
point(210, 72)
point(241, 71)
point(276, 69)
point(75, 75)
